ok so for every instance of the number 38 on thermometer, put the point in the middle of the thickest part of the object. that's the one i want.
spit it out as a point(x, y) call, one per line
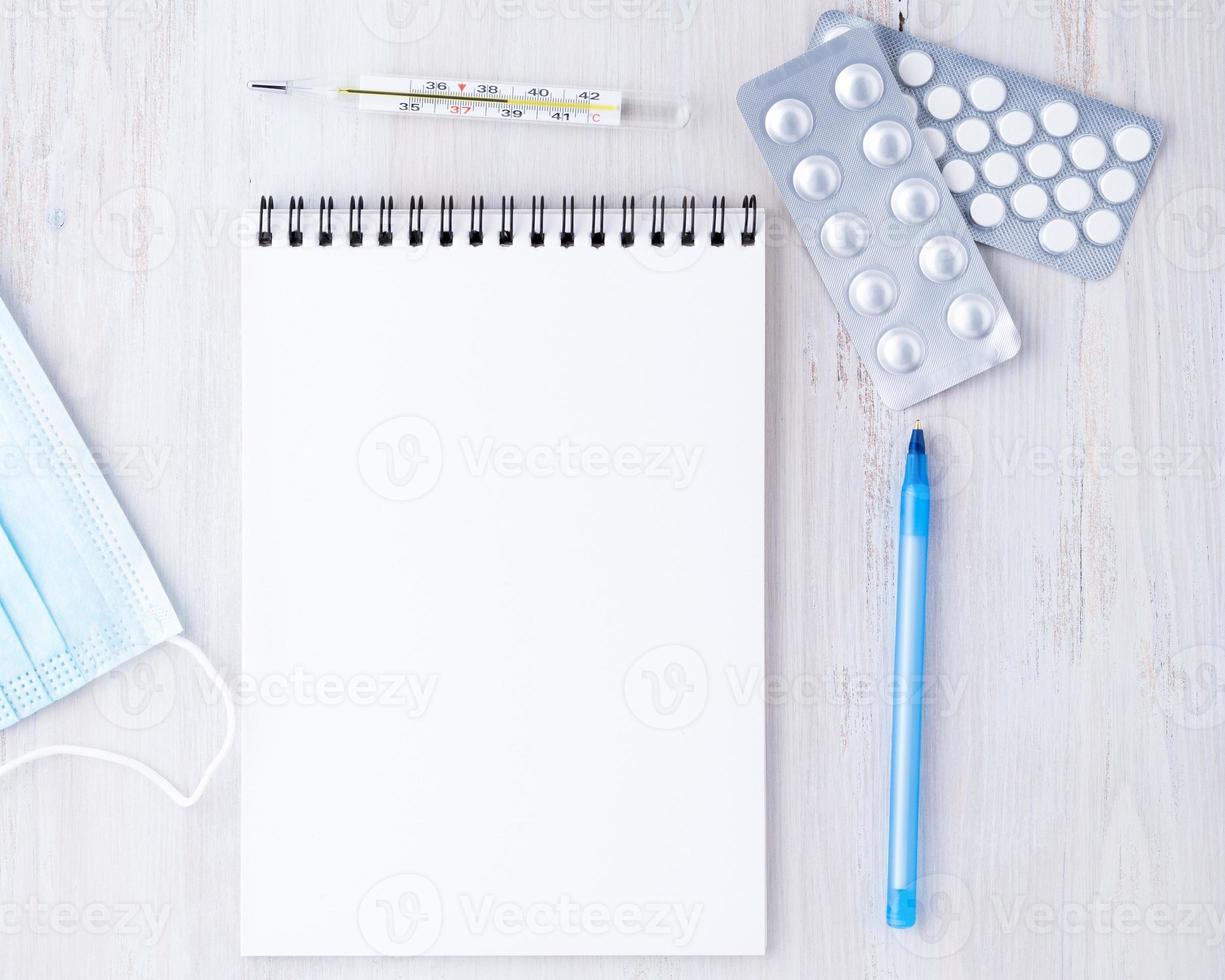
point(456, 98)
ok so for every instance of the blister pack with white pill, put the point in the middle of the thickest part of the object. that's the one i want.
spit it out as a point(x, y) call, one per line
point(1038, 170)
point(881, 227)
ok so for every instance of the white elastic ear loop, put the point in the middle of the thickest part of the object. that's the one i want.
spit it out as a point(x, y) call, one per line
point(127, 762)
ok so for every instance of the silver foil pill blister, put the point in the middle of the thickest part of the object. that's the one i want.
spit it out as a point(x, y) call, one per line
point(840, 139)
point(1037, 170)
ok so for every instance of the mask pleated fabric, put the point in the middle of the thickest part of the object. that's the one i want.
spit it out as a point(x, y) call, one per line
point(77, 589)
point(78, 594)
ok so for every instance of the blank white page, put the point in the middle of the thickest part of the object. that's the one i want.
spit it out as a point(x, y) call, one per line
point(502, 596)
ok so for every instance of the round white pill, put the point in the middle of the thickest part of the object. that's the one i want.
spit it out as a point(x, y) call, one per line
point(987, 210)
point(1029, 202)
point(987, 93)
point(1059, 118)
point(900, 350)
point(1043, 160)
point(1088, 153)
point(943, 258)
point(872, 293)
point(912, 104)
point(788, 121)
point(1058, 236)
point(845, 235)
point(935, 141)
point(914, 201)
point(1015, 127)
point(943, 102)
point(970, 316)
point(1117, 185)
point(972, 135)
point(816, 177)
point(1073, 194)
point(1132, 143)
point(1103, 227)
point(834, 32)
point(859, 86)
point(1001, 169)
point(915, 68)
point(959, 176)
point(886, 143)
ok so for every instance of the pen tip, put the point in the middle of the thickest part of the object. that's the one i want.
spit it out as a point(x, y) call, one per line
point(918, 425)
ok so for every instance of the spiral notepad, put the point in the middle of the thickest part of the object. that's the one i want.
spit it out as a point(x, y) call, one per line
point(503, 579)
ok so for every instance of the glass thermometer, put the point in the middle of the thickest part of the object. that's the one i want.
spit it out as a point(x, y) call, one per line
point(471, 98)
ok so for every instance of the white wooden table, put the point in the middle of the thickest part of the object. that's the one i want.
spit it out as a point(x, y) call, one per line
point(1073, 738)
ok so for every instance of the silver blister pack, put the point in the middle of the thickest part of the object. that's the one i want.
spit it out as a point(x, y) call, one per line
point(1038, 170)
point(884, 232)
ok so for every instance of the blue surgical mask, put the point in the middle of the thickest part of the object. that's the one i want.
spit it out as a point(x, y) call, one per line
point(78, 594)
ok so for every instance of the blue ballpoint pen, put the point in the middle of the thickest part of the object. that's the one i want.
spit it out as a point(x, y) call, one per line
point(908, 686)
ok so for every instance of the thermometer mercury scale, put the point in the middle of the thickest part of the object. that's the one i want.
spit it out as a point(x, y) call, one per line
point(456, 98)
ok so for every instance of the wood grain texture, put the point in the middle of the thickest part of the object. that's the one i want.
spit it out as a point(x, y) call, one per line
point(1073, 741)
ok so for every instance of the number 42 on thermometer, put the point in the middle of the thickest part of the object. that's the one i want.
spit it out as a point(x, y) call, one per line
point(455, 98)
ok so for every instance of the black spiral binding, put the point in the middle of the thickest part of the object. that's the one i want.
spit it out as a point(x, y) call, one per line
point(388, 205)
point(295, 227)
point(506, 234)
point(597, 230)
point(446, 221)
point(355, 236)
point(506, 229)
point(325, 234)
point(567, 231)
point(537, 237)
point(265, 221)
point(718, 220)
point(657, 232)
point(627, 211)
point(476, 232)
point(416, 205)
point(748, 234)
